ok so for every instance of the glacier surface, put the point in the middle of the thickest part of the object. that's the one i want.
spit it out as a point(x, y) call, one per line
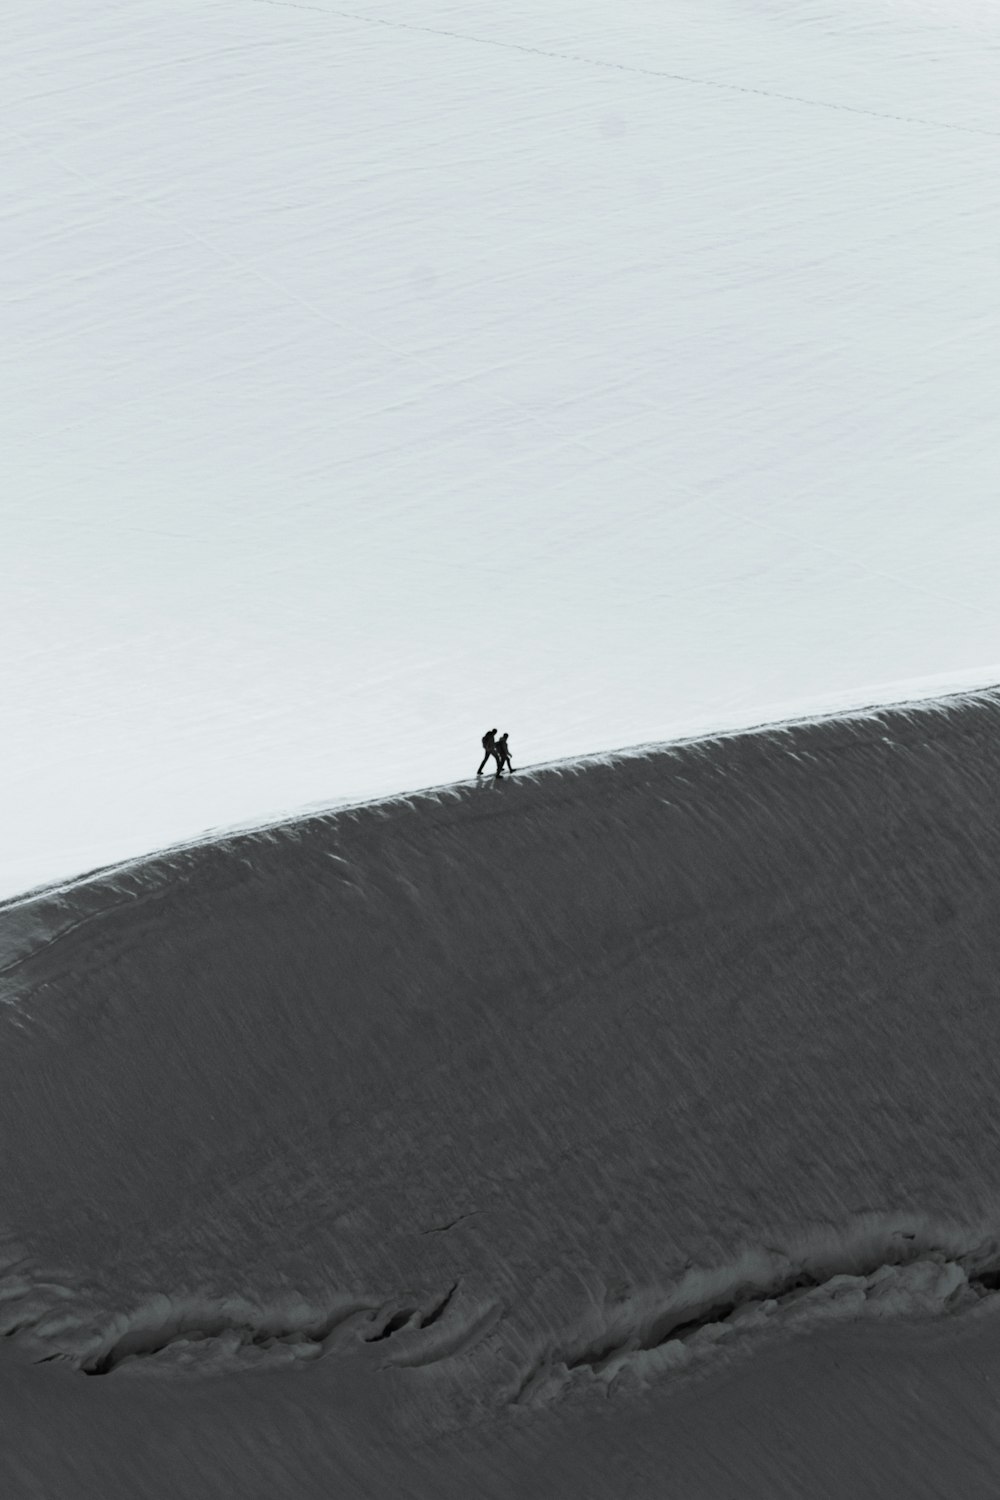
point(377, 374)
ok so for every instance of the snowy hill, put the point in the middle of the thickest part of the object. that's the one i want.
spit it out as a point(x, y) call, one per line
point(628, 1128)
point(376, 374)
point(615, 374)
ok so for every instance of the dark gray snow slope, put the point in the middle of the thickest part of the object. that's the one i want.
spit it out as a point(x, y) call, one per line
point(627, 1129)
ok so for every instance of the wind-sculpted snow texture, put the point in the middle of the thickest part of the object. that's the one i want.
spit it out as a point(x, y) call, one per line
point(504, 1139)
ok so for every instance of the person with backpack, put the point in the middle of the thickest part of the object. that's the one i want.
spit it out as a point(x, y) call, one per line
point(489, 748)
point(502, 754)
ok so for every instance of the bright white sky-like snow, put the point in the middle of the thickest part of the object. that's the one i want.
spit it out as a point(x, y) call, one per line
point(372, 375)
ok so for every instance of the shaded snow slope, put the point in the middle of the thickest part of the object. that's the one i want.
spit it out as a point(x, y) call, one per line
point(516, 1129)
point(377, 373)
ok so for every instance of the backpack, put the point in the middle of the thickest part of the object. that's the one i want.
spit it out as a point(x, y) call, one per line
point(488, 740)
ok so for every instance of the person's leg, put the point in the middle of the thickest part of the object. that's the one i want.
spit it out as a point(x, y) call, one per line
point(482, 763)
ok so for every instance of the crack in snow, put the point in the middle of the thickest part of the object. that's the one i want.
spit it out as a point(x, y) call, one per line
point(647, 1336)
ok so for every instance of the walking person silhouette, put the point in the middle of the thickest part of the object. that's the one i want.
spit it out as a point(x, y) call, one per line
point(503, 755)
point(489, 748)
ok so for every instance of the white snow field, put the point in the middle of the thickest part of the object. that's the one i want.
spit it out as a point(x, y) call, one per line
point(626, 1132)
point(607, 372)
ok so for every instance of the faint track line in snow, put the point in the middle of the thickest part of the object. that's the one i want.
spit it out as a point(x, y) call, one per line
point(597, 62)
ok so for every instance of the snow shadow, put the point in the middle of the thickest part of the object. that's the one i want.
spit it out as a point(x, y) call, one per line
point(203, 1335)
point(901, 1274)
